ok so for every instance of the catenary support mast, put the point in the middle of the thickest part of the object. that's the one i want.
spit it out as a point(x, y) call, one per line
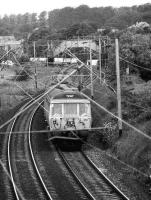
point(118, 86)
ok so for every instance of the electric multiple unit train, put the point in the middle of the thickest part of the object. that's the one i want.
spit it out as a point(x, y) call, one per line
point(68, 114)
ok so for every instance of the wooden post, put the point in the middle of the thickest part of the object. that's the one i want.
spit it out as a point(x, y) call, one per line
point(100, 51)
point(48, 48)
point(34, 45)
point(79, 80)
point(118, 87)
point(35, 66)
point(104, 51)
point(91, 75)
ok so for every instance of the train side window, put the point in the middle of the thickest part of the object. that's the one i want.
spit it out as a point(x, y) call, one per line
point(83, 109)
point(57, 109)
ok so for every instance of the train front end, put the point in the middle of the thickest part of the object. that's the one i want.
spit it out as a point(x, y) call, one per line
point(70, 115)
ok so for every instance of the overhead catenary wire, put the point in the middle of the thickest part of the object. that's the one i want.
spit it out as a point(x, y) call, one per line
point(23, 89)
point(119, 160)
point(145, 109)
point(69, 53)
point(126, 123)
point(135, 64)
point(6, 53)
point(43, 95)
point(23, 68)
point(115, 158)
point(87, 96)
point(131, 126)
point(32, 97)
point(111, 156)
point(58, 130)
point(141, 107)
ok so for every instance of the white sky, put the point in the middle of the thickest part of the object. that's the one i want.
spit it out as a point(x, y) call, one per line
point(23, 6)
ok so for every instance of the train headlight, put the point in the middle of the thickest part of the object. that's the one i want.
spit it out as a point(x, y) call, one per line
point(84, 116)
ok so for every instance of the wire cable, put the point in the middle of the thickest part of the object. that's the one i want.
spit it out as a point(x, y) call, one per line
point(39, 98)
point(135, 64)
point(126, 123)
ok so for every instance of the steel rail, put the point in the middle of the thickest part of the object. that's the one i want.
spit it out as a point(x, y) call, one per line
point(108, 181)
point(8, 153)
point(16, 190)
point(75, 176)
point(105, 177)
point(32, 155)
point(9, 160)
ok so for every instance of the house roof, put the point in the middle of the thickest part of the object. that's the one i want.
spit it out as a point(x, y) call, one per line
point(6, 40)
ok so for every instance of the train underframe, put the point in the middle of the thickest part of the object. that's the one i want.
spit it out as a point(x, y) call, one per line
point(69, 140)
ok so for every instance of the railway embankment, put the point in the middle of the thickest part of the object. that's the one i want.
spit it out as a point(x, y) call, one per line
point(130, 153)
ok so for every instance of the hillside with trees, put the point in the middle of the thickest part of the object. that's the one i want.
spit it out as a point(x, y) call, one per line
point(134, 33)
point(56, 22)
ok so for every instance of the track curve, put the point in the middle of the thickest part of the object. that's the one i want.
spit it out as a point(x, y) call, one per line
point(23, 177)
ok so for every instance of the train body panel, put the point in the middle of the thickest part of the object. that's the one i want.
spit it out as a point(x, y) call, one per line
point(69, 115)
point(68, 111)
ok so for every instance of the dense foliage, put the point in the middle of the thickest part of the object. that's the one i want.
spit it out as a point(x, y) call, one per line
point(135, 47)
point(81, 21)
point(49, 23)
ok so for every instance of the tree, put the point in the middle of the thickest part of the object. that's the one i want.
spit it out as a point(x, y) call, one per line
point(81, 29)
point(34, 20)
point(42, 19)
point(135, 48)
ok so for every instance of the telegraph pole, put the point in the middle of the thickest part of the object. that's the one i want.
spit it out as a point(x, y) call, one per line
point(118, 87)
point(91, 75)
point(100, 51)
point(79, 80)
point(48, 49)
point(35, 65)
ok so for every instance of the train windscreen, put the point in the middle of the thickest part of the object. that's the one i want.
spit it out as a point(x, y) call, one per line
point(57, 109)
point(70, 108)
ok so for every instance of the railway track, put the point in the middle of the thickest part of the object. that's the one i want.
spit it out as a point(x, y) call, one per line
point(93, 181)
point(34, 161)
point(26, 178)
point(57, 178)
point(25, 182)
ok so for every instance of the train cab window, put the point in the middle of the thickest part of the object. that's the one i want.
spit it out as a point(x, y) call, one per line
point(57, 109)
point(83, 108)
point(70, 108)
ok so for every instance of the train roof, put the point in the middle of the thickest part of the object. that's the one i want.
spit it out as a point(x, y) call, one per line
point(69, 95)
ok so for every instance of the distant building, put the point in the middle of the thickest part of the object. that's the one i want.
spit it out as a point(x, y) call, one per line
point(109, 30)
point(38, 59)
point(139, 25)
point(94, 62)
point(100, 30)
point(7, 62)
point(65, 60)
point(9, 42)
point(114, 30)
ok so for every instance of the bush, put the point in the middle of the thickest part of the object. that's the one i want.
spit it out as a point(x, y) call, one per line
point(23, 74)
point(24, 58)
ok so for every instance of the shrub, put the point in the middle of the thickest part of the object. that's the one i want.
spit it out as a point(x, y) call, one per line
point(24, 58)
point(23, 74)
